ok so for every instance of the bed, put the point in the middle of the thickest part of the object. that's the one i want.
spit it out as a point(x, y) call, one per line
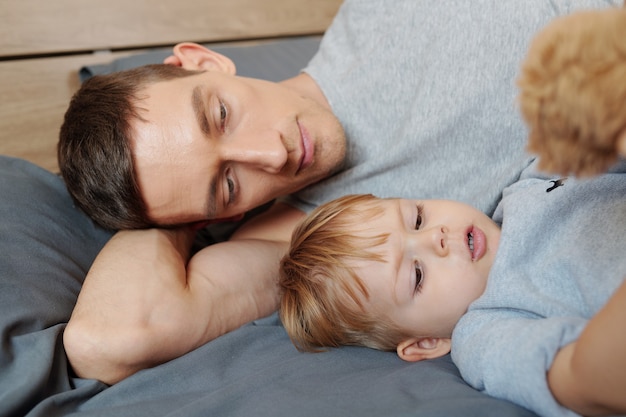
point(48, 245)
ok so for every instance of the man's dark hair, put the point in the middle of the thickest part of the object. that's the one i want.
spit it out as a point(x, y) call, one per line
point(94, 151)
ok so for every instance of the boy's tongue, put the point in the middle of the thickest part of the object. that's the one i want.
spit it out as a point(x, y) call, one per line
point(477, 243)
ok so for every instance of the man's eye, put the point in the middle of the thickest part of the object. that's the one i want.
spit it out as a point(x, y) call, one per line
point(231, 189)
point(420, 215)
point(419, 278)
point(223, 115)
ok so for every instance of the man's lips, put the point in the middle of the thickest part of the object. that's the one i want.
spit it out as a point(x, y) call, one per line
point(476, 242)
point(307, 148)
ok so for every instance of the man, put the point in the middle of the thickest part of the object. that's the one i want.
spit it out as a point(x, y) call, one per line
point(422, 105)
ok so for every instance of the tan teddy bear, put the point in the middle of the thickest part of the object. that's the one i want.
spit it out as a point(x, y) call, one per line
point(573, 92)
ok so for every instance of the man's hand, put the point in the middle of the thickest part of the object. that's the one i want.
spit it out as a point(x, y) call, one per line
point(589, 375)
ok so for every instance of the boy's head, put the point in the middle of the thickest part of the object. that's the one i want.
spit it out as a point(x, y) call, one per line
point(389, 274)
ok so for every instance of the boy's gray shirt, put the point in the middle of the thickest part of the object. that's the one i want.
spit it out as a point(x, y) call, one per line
point(426, 93)
point(562, 254)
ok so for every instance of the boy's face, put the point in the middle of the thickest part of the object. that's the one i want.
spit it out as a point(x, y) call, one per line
point(215, 145)
point(438, 256)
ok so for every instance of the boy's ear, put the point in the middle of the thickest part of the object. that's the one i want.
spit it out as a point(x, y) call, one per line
point(417, 349)
point(192, 56)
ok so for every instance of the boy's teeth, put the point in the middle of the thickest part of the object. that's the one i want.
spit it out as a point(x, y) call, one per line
point(470, 241)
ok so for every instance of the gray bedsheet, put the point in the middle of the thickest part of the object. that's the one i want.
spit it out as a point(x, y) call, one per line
point(47, 246)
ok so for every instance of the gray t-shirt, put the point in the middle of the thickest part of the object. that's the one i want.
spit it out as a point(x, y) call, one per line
point(561, 256)
point(426, 93)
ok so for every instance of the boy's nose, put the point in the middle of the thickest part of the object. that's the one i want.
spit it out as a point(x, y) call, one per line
point(438, 240)
point(264, 150)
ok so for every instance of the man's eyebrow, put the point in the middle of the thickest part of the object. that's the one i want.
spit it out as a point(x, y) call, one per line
point(197, 102)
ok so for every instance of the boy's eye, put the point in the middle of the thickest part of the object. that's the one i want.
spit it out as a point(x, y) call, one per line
point(419, 278)
point(419, 219)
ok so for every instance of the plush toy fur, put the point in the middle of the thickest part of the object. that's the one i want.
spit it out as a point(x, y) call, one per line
point(573, 92)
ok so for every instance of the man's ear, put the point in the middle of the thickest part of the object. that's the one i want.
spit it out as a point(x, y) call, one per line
point(192, 56)
point(417, 349)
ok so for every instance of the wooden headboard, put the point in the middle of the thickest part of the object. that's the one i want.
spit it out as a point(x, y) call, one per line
point(43, 44)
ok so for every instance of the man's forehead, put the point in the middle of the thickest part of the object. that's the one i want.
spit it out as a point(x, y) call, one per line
point(166, 103)
point(172, 86)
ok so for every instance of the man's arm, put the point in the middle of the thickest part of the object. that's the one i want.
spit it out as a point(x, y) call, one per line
point(143, 304)
point(589, 375)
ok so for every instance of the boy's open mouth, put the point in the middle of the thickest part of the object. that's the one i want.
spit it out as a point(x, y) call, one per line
point(476, 242)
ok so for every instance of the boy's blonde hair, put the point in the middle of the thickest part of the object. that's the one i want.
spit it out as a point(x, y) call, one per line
point(322, 301)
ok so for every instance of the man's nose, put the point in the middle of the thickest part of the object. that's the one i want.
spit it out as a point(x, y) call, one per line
point(264, 150)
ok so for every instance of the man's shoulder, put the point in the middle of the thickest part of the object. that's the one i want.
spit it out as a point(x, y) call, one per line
point(276, 224)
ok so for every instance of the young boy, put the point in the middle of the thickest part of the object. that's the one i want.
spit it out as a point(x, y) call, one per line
point(520, 299)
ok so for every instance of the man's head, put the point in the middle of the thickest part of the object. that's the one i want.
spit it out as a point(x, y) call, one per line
point(206, 145)
point(94, 150)
point(389, 274)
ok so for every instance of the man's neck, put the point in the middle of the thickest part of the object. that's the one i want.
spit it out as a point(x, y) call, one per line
point(306, 86)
